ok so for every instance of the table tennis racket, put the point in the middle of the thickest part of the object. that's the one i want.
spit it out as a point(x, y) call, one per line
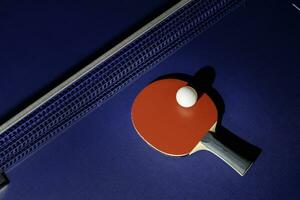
point(175, 130)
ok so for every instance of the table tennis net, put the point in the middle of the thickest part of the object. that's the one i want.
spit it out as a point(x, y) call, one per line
point(108, 78)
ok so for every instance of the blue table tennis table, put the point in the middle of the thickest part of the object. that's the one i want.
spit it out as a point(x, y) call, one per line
point(253, 52)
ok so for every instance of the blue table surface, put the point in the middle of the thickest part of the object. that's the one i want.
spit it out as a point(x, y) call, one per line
point(254, 52)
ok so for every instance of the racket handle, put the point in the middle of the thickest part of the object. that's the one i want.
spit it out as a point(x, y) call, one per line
point(234, 160)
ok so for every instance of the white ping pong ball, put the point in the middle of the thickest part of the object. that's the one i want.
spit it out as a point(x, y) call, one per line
point(186, 96)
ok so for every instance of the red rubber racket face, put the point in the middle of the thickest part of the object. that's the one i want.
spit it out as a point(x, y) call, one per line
point(165, 125)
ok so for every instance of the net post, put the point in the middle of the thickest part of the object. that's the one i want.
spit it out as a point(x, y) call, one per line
point(3, 180)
